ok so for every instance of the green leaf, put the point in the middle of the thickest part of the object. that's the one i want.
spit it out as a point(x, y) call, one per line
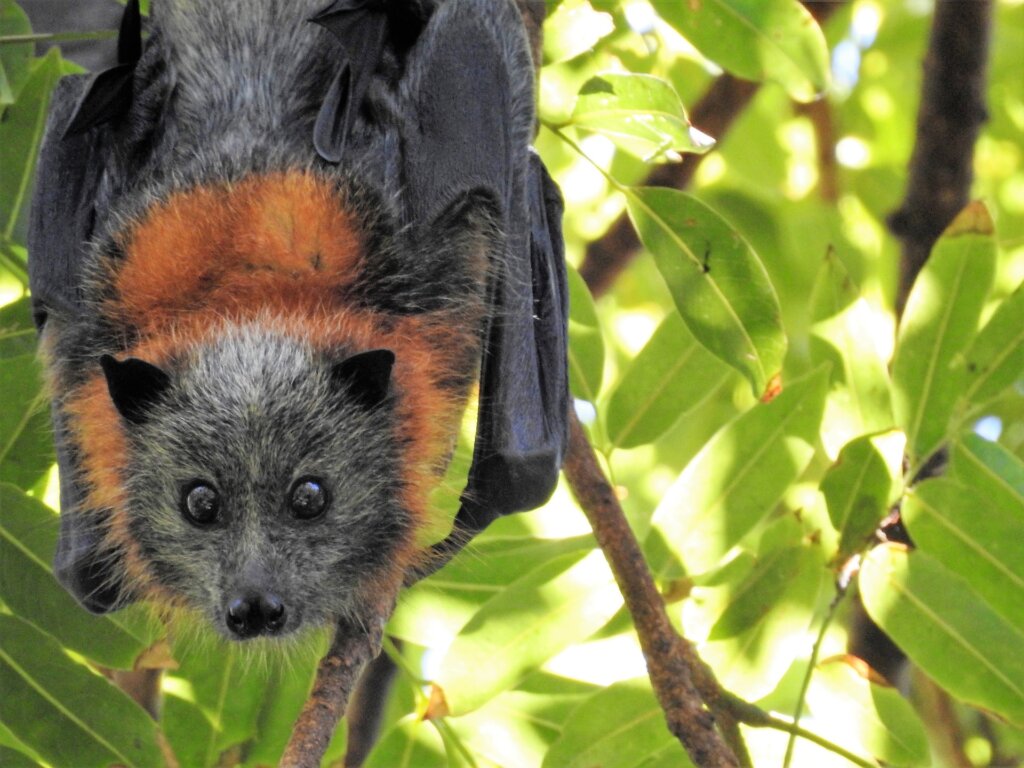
point(17, 334)
point(440, 606)
point(753, 598)
point(940, 320)
point(985, 548)
point(491, 563)
point(996, 358)
point(752, 643)
point(860, 487)
point(411, 743)
point(622, 726)
point(13, 263)
point(26, 449)
point(10, 758)
point(757, 40)
point(740, 474)
point(834, 290)
point(672, 375)
point(445, 498)
point(946, 628)
point(21, 133)
point(215, 700)
point(995, 473)
point(719, 286)
point(586, 344)
point(67, 714)
point(6, 93)
point(28, 539)
point(529, 720)
point(280, 704)
point(640, 113)
point(860, 401)
point(188, 730)
point(13, 750)
point(574, 27)
point(14, 58)
point(864, 716)
point(560, 603)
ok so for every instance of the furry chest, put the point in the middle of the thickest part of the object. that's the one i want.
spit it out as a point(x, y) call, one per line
point(278, 242)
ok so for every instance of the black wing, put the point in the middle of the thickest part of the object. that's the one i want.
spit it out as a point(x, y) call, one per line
point(471, 83)
point(522, 428)
point(69, 174)
point(68, 201)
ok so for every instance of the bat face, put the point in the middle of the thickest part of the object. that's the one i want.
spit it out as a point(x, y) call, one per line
point(262, 482)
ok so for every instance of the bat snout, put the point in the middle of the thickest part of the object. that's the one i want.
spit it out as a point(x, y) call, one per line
point(255, 613)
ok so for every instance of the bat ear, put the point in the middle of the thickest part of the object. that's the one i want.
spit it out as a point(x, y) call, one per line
point(365, 376)
point(109, 94)
point(134, 385)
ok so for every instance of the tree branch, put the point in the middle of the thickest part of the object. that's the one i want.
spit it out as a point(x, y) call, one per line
point(948, 122)
point(681, 681)
point(354, 646)
point(949, 119)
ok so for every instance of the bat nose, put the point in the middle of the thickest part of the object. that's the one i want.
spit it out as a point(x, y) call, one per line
point(254, 614)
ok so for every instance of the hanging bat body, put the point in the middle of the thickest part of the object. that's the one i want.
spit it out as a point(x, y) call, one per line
point(269, 259)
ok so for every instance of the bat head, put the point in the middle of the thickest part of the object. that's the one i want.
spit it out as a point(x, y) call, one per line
point(263, 478)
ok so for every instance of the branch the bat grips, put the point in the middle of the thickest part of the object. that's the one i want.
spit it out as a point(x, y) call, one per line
point(270, 253)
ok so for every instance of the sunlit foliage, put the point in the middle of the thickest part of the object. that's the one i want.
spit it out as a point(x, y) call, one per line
point(757, 404)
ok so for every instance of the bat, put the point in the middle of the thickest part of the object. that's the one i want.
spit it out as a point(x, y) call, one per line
point(272, 251)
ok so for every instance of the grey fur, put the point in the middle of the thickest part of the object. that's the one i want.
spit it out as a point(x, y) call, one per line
point(249, 414)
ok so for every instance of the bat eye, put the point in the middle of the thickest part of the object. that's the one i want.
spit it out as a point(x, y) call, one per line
point(200, 503)
point(308, 499)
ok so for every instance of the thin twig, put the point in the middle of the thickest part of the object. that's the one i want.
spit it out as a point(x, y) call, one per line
point(58, 37)
point(755, 717)
point(676, 673)
point(811, 664)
